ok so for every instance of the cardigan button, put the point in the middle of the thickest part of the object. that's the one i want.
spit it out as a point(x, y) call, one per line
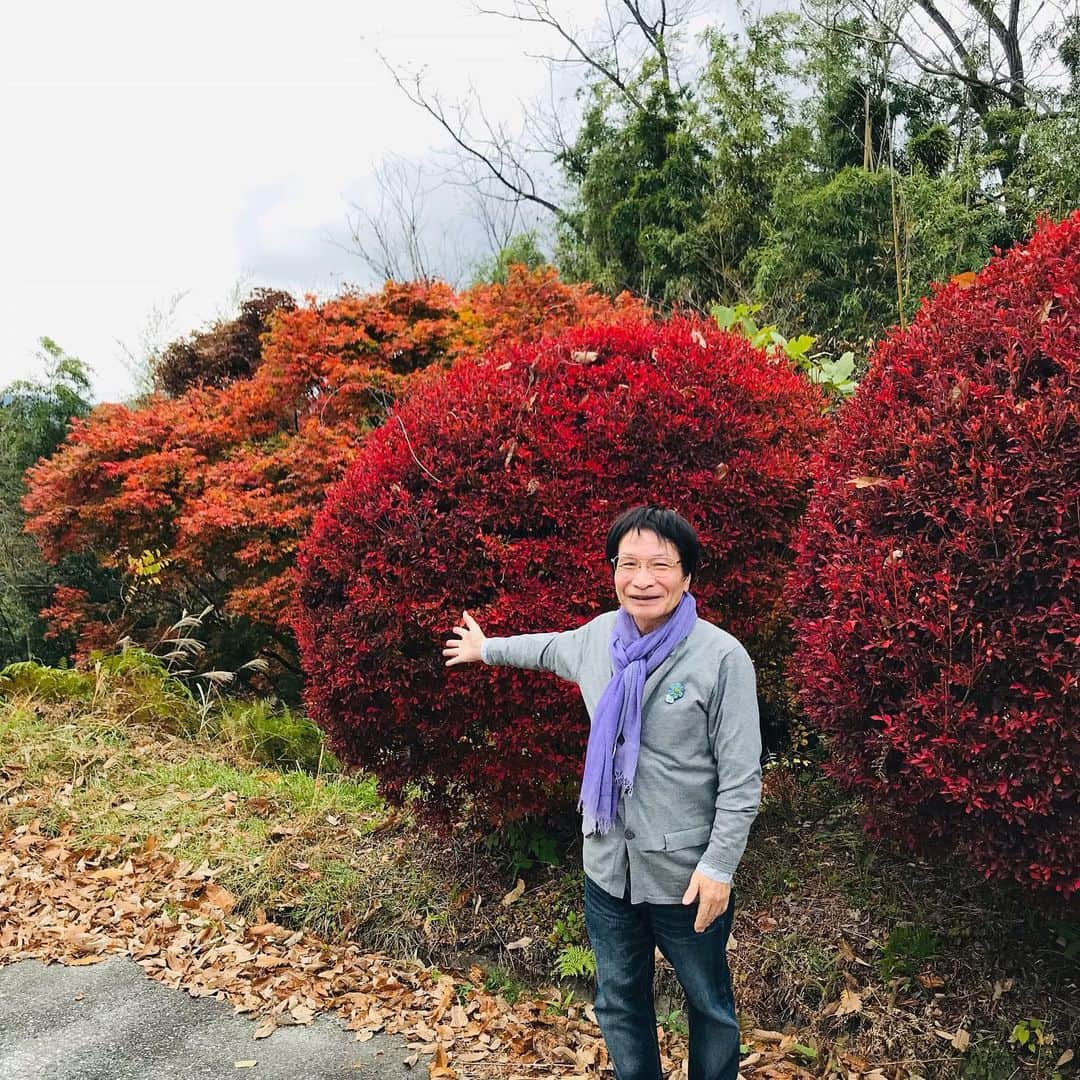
point(629, 834)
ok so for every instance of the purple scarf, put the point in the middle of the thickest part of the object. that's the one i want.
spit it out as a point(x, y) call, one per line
point(610, 765)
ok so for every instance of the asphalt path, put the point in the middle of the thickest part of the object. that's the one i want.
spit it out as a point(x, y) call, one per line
point(108, 1021)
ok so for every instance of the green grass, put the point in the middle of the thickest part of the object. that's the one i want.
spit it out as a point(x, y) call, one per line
point(270, 733)
point(317, 850)
point(252, 823)
point(326, 902)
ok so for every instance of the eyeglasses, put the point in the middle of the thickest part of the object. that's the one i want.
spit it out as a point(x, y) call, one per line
point(656, 567)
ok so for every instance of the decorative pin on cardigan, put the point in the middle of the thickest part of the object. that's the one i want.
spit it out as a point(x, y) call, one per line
point(675, 691)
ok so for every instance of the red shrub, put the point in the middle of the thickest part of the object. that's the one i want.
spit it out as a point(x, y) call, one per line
point(492, 488)
point(937, 573)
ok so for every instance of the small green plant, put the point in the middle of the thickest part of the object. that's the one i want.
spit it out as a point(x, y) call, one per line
point(141, 688)
point(500, 982)
point(569, 930)
point(177, 695)
point(273, 734)
point(576, 962)
point(802, 751)
point(989, 1059)
point(144, 570)
point(909, 946)
point(1031, 1034)
point(675, 1022)
point(1066, 937)
point(526, 844)
point(834, 375)
point(560, 1003)
point(185, 649)
point(807, 1053)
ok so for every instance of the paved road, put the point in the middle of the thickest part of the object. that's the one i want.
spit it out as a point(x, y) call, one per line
point(125, 1026)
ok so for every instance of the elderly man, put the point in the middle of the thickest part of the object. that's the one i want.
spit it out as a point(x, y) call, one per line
point(671, 786)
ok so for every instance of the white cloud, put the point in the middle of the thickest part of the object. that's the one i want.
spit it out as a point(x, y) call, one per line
point(157, 150)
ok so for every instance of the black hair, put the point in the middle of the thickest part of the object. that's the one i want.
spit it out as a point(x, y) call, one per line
point(666, 524)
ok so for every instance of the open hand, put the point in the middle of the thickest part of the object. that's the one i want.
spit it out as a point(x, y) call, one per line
point(465, 648)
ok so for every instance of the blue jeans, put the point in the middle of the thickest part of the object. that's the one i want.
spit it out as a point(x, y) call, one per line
point(623, 937)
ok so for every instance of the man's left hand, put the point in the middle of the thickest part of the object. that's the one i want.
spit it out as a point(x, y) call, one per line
point(712, 897)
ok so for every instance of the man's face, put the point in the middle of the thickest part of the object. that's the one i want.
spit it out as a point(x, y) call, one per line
point(649, 578)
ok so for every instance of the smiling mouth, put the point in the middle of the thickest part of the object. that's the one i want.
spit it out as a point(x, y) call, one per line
point(644, 598)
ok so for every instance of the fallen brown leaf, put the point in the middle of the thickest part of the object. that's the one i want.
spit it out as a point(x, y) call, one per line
point(761, 1035)
point(302, 1014)
point(515, 893)
point(439, 1066)
point(219, 898)
point(850, 1003)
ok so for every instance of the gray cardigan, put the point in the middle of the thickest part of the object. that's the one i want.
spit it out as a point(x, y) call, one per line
point(698, 781)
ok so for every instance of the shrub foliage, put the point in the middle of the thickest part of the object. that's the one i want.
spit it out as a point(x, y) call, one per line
point(227, 350)
point(215, 487)
point(492, 489)
point(936, 581)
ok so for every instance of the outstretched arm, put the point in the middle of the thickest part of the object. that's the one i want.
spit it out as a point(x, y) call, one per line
point(466, 647)
point(559, 653)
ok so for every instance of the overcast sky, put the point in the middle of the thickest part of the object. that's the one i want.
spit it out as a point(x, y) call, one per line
point(161, 151)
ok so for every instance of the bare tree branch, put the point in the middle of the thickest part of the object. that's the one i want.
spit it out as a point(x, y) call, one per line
point(653, 34)
point(1004, 86)
point(946, 27)
point(510, 174)
point(390, 240)
point(542, 15)
point(1009, 44)
point(497, 158)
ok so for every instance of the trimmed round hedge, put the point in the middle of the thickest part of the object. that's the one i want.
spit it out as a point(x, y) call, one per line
point(491, 488)
point(935, 591)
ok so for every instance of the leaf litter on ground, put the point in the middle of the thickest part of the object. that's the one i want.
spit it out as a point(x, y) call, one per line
point(323, 855)
point(78, 905)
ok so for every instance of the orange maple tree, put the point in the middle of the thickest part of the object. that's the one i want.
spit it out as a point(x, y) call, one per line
point(215, 488)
